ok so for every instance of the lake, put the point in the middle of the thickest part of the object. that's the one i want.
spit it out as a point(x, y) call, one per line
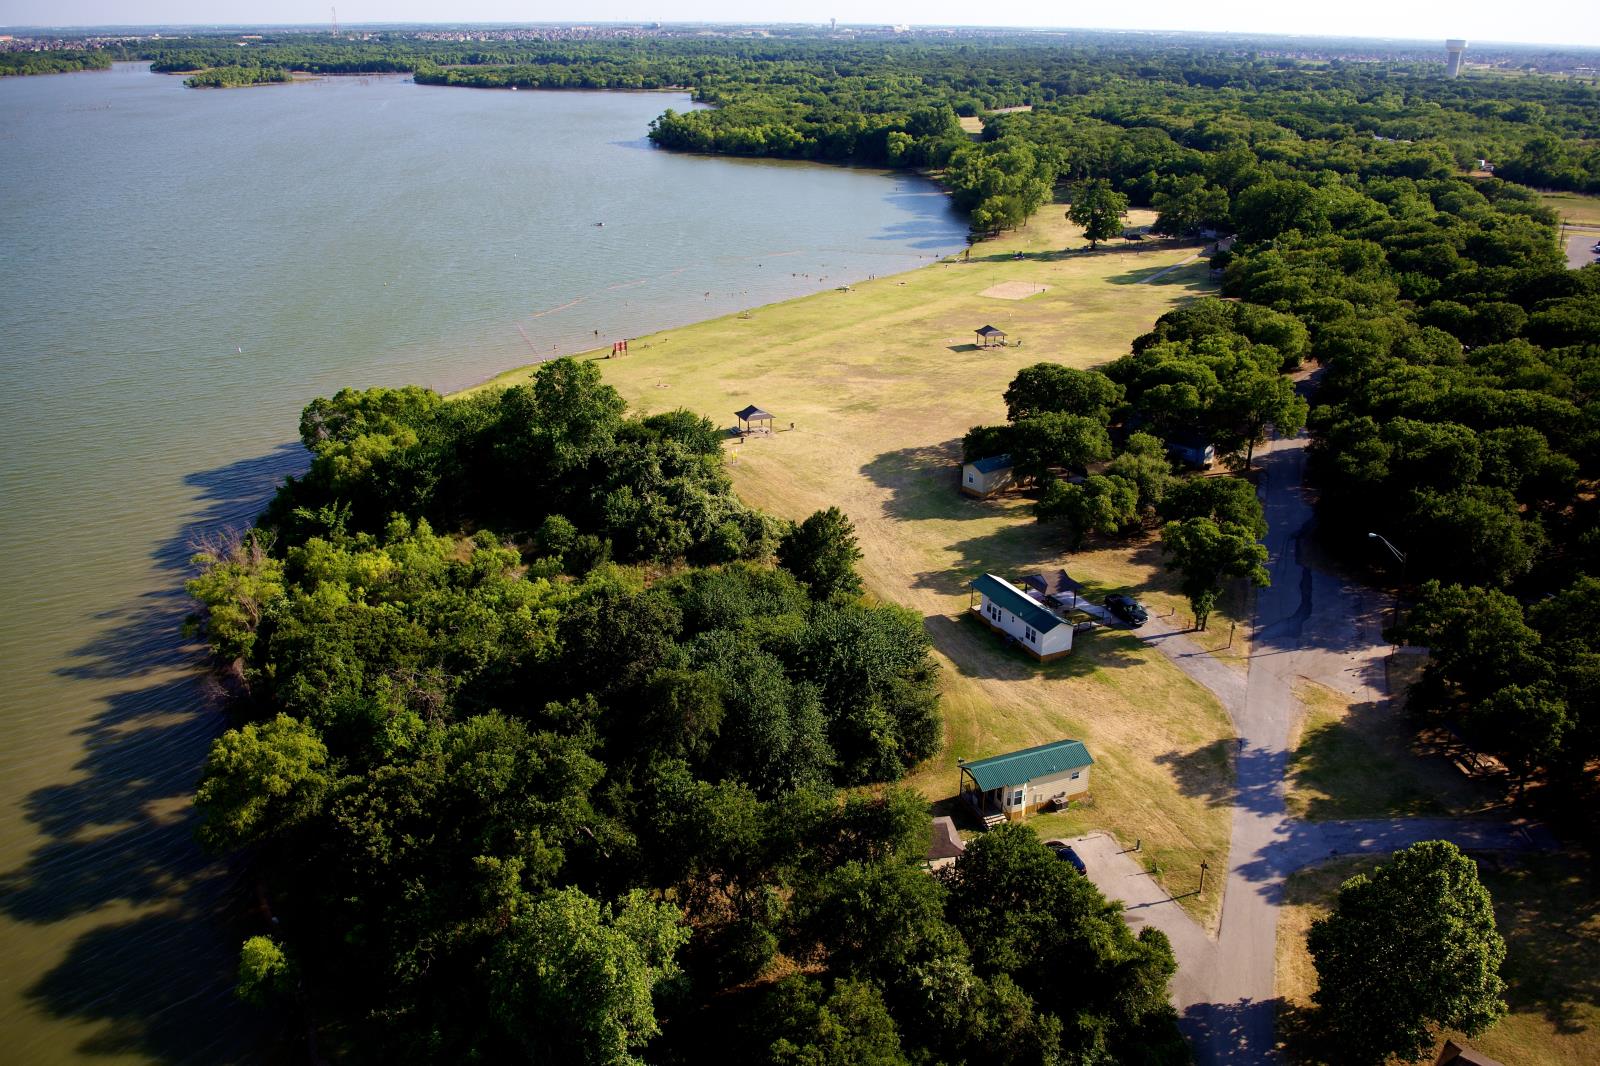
point(183, 270)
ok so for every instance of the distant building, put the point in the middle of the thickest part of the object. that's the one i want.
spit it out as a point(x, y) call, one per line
point(985, 477)
point(1453, 51)
point(1007, 609)
point(1010, 787)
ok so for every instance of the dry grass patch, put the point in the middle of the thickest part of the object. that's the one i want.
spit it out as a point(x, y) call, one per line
point(1573, 207)
point(1362, 760)
point(879, 396)
point(1549, 913)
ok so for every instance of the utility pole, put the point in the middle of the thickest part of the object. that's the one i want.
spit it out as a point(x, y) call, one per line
point(1203, 869)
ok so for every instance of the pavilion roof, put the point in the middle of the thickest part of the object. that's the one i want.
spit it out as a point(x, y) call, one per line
point(751, 413)
point(991, 331)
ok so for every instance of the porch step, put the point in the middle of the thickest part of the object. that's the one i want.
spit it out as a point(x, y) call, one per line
point(992, 820)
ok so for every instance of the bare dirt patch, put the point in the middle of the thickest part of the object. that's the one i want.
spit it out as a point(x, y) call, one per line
point(1014, 290)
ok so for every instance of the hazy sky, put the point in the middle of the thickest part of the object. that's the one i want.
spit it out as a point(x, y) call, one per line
point(1559, 21)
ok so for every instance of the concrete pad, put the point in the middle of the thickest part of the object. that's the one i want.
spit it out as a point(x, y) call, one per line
point(1119, 874)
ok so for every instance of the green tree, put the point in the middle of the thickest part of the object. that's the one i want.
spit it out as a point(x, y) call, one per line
point(1187, 204)
point(1205, 554)
point(1051, 387)
point(822, 553)
point(260, 781)
point(1407, 950)
point(1045, 442)
point(1099, 209)
point(1104, 504)
point(1143, 462)
point(239, 581)
point(849, 1026)
point(1025, 913)
point(265, 973)
point(574, 979)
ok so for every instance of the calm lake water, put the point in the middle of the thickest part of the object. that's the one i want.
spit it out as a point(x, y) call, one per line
point(182, 272)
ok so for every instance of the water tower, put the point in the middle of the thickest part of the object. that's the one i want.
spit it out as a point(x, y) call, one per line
point(1452, 63)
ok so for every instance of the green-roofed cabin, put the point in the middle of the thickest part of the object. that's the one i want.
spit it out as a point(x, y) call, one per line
point(1026, 621)
point(1008, 788)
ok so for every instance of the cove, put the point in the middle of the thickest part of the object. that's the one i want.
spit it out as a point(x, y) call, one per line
point(183, 271)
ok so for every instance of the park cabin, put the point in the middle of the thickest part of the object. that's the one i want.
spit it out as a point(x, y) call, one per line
point(985, 477)
point(989, 336)
point(1011, 787)
point(1031, 625)
point(1192, 450)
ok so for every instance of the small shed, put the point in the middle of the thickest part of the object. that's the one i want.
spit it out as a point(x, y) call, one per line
point(1453, 1054)
point(750, 416)
point(1005, 608)
point(989, 336)
point(1010, 787)
point(945, 845)
point(985, 477)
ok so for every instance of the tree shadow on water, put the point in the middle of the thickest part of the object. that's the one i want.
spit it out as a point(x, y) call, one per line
point(118, 829)
point(144, 636)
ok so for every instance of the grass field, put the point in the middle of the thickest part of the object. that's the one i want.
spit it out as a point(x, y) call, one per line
point(1573, 207)
point(1550, 917)
point(880, 382)
point(1364, 761)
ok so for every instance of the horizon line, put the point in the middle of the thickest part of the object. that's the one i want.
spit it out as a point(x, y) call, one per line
point(663, 23)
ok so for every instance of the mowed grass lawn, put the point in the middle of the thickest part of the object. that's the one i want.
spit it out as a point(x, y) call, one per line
point(1363, 760)
point(880, 383)
point(1574, 207)
point(1550, 917)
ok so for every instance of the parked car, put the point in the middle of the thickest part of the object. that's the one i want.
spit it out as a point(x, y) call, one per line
point(1065, 853)
point(1128, 609)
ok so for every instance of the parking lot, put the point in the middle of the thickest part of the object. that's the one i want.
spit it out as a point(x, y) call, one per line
point(1581, 249)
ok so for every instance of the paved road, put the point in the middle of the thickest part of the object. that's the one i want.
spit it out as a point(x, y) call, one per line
point(1580, 249)
point(1312, 625)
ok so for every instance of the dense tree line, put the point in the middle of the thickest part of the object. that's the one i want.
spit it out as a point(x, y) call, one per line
point(510, 798)
point(233, 77)
point(54, 62)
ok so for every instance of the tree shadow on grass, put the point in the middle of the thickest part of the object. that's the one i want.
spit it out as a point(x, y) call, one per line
point(925, 482)
point(1205, 773)
point(1549, 912)
point(1370, 764)
point(118, 830)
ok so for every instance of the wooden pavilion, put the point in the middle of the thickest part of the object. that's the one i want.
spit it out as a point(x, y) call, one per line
point(988, 337)
point(750, 416)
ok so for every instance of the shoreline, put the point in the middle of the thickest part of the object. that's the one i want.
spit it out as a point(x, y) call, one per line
point(602, 353)
point(872, 387)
